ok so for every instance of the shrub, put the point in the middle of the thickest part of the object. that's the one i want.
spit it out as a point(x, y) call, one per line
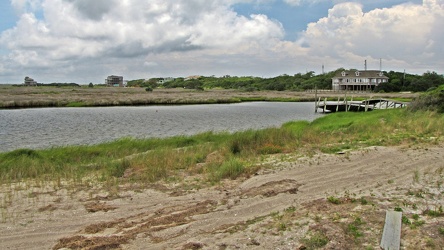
point(333, 200)
point(433, 101)
point(315, 241)
point(232, 169)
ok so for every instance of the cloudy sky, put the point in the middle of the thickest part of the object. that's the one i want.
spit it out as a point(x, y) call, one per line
point(84, 41)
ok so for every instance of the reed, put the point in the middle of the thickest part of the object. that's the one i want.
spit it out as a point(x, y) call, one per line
point(28, 97)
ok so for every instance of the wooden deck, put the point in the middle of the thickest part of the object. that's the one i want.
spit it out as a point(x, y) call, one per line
point(356, 106)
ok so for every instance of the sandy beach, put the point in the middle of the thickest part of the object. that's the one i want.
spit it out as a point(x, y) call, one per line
point(280, 207)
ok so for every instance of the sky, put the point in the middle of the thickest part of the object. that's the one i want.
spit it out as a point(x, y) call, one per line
point(84, 41)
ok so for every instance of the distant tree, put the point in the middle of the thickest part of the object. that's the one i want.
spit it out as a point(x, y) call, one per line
point(91, 85)
point(193, 84)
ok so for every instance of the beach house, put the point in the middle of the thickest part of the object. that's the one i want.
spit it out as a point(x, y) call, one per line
point(355, 80)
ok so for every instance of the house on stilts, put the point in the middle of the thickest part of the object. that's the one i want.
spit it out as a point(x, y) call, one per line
point(355, 80)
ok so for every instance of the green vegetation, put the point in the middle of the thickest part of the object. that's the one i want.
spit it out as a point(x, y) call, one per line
point(333, 200)
point(435, 213)
point(217, 156)
point(398, 81)
point(315, 240)
point(431, 100)
point(75, 104)
point(354, 228)
point(363, 201)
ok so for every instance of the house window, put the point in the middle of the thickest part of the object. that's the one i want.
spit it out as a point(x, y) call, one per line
point(357, 73)
point(343, 73)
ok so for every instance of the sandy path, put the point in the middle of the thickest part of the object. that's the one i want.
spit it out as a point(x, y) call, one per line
point(235, 214)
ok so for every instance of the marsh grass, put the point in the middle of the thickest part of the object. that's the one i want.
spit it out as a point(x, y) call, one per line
point(217, 156)
point(380, 127)
point(49, 96)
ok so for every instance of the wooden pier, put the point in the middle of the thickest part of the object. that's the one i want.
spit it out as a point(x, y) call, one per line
point(356, 106)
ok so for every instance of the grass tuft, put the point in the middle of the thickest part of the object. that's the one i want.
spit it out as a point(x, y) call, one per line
point(315, 240)
point(230, 169)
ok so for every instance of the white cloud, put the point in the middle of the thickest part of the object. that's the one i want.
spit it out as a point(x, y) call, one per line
point(408, 33)
point(293, 2)
point(23, 6)
point(301, 2)
point(79, 30)
point(83, 41)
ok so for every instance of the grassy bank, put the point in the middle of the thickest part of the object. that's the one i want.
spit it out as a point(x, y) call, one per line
point(34, 97)
point(216, 156)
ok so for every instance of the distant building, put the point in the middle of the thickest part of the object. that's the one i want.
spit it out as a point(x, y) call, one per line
point(29, 81)
point(355, 80)
point(114, 81)
point(192, 77)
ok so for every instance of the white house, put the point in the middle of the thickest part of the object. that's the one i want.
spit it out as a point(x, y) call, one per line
point(355, 80)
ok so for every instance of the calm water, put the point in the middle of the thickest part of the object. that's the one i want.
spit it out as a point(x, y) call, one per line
point(49, 127)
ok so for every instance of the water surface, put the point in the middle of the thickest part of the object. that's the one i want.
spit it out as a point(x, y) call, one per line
point(51, 127)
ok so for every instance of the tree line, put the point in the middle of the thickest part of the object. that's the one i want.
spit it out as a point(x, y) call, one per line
point(398, 81)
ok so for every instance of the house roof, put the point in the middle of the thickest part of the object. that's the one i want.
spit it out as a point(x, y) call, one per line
point(361, 74)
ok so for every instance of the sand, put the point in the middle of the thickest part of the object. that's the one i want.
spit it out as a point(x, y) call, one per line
point(279, 207)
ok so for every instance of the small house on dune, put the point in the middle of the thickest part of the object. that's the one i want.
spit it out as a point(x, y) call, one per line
point(355, 80)
point(29, 81)
point(114, 81)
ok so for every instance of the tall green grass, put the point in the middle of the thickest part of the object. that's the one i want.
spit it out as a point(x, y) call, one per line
point(218, 156)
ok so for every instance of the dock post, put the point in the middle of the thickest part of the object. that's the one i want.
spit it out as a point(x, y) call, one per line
point(325, 104)
point(316, 99)
point(351, 101)
point(337, 106)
